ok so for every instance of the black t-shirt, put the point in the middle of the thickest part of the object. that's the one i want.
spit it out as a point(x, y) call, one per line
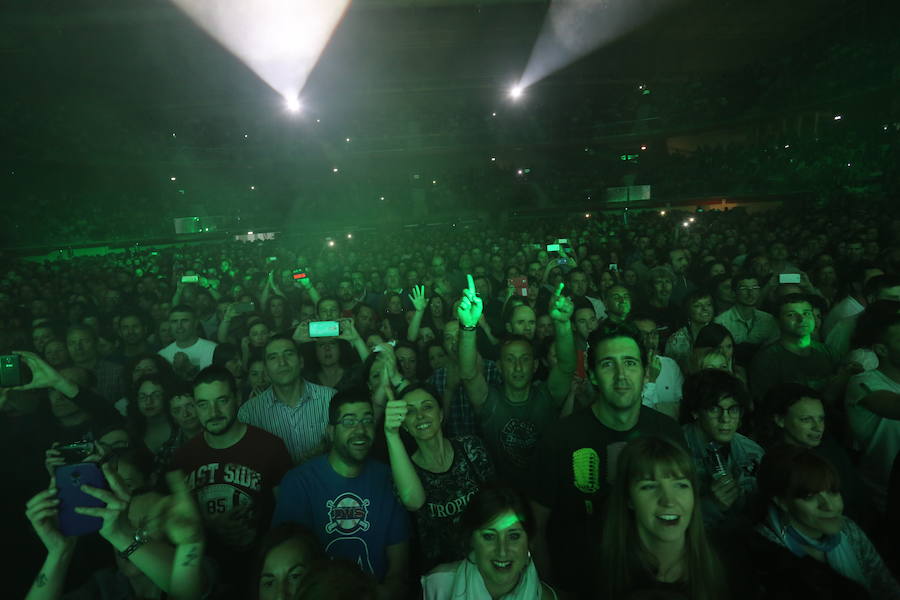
point(446, 497)
point(511, 431)
point(573, 472)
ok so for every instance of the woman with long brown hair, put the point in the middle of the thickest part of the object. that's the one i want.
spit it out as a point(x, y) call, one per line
point(654, 539)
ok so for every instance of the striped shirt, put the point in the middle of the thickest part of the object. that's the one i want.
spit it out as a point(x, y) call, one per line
point(302, 427)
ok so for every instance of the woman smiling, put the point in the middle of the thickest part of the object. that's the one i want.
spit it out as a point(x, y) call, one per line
point(437, 482)
point(497, 527)
point(806, 547)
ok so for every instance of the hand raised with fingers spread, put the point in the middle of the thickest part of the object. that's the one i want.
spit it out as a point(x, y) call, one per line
point(470, 306)
point(561, 307)
point(115, 529)
point(418, 299)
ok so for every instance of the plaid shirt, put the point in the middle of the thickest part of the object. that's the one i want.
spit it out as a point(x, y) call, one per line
point(462, 419)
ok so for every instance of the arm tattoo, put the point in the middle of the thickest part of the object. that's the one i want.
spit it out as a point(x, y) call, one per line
point(191, 557)
point(41, 580)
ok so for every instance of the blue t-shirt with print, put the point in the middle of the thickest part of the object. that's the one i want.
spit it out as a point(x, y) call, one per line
point(354, 518)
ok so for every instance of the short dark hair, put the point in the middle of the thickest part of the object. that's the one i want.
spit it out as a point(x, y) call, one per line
point(326, 299)
point(791, 299)
point(349, 396)
point(704, 389)
point(185, 308)
point(879, 283)
point(790, 472)
point(711, 335)
point(425, 387)
point(621, 331)
point(510, 339)
point(694, 296)
point(280, 534)
point(491, 500)
point(279, 337)
point(740, 276)
point(212, 374)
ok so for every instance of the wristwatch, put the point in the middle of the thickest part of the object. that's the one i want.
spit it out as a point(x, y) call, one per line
point(141, 537)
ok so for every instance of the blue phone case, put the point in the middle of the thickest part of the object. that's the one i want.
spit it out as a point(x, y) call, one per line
point(69, 479)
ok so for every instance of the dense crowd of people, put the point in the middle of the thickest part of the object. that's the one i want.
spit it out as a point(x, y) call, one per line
point(590, 408)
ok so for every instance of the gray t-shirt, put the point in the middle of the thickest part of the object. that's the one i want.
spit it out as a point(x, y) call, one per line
point(511, 431)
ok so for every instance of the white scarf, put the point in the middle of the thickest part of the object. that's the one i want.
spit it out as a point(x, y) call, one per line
point(463, 581)
point(469, 585)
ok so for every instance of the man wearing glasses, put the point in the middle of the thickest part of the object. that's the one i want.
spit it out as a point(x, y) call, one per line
point(714, 402)
point(748, 324)
point(346, 498)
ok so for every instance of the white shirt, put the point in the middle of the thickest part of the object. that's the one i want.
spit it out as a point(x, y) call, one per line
point(843, 309)
point(838, 339)
point(200, 352)
point(599, 308)
point(760, 329)
point(665, 393)
point(878, 438)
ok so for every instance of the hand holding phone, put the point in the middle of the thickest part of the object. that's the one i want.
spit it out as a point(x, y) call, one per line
point(42, 511)
point(789, 278)
point(552, 247)
point(318, 329)
point(190, 279)
point(72, 497)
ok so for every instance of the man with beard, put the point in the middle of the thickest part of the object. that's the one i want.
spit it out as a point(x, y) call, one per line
point(347, 500)
point(233, 470)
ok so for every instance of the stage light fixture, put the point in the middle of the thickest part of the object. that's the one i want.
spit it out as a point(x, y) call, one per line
point(516, 92)
point(292, 104)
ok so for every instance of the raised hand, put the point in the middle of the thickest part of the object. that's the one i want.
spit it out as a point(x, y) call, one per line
point(394, 414)
point(116, 527)
point(43, 375)
point(470, 306)
point(42, 511)
point(561, 307)
point(418, 299)
point(179, 516)
point(301, 333)
point(347, 330)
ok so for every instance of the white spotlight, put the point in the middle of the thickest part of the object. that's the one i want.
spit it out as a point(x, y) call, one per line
point(292, 104)
point(516, 92)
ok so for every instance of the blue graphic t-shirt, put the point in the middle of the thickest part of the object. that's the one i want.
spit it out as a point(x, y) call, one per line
point(354, 518)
